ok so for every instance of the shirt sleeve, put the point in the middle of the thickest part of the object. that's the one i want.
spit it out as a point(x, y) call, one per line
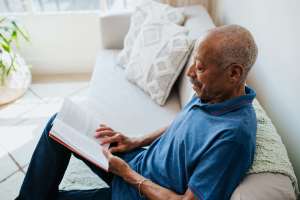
point(219, 171)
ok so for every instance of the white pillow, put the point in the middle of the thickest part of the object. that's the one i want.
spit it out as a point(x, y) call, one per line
point(147, 11)
point(158, 56)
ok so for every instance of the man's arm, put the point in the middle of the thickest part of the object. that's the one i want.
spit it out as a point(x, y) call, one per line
point(149, 138)
point(146, 188)
point(153, 191)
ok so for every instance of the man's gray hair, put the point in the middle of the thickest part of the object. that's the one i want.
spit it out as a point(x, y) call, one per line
point(236, 45)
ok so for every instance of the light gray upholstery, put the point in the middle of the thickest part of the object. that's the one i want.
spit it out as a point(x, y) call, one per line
point(118, 23)
point(265, 186)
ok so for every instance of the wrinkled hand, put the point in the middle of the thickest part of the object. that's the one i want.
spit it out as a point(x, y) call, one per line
point(116, 165)
point(107, 135)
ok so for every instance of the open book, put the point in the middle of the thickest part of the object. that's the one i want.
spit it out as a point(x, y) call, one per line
point(74, 127)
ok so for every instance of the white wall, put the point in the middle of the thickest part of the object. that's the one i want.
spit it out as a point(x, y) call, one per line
point(61, 43)
point(276, 27)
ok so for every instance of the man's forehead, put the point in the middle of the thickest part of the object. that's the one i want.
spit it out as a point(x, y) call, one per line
point(207, 44)
point(201, 49)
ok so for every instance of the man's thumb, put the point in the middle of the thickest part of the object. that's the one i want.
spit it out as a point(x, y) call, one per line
point(106, 153)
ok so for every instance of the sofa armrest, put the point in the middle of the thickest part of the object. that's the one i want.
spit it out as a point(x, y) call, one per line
point(114, 25)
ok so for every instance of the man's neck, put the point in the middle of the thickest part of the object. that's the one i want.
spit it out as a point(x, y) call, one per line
point(239, 91)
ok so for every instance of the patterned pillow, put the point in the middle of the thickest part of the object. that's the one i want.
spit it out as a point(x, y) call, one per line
point(147, 10)
point(158, 56)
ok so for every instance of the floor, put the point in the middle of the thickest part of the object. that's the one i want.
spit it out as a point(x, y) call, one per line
point(22, 121)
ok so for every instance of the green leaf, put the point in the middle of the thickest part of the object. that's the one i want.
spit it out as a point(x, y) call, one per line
point(13, 37)
point(5, 46)
point(2, 77)
point(4, 39)
point(8, 71)
point(12, 65)
point(22, 32)
point(13, 62)
point(2, 67)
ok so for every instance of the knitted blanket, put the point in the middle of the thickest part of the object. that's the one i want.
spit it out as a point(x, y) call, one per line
point(271, 156)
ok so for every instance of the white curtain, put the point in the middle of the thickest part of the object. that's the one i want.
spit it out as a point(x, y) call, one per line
point(184, 2)
point(109, 4)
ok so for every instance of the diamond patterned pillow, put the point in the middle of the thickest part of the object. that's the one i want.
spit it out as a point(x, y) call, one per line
point(158, 56)
point(147, 10)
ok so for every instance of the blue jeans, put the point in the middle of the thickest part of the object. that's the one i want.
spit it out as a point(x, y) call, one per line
point(46, 170)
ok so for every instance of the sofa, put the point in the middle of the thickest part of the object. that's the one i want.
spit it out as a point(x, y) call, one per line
point(126, 108)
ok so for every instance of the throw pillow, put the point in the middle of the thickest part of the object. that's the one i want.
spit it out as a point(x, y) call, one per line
point(147, 10)
point(158, 56)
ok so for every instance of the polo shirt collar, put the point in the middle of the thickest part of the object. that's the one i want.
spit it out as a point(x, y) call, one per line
point(228, 105)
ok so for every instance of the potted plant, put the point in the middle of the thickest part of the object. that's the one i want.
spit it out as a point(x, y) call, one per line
point(15, 75)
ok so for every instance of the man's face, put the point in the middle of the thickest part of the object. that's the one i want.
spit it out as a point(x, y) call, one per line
point(210, 81)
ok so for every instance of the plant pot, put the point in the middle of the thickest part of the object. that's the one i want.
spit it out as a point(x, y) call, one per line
point(16, 84)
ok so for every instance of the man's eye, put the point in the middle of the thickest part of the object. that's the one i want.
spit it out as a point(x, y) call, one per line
point(199, 70)
point(198, 66)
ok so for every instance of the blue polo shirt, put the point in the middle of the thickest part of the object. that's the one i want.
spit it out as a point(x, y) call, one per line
point(208, 148)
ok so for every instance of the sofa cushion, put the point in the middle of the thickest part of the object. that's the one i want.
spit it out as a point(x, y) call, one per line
point(265, 186)
point(147, 10)
point(121, 104)
point(158, 56)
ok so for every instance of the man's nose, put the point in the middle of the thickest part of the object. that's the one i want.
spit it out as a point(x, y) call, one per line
point(191, 71)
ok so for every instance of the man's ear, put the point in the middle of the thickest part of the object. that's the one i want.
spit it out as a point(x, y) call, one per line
point(235, 72)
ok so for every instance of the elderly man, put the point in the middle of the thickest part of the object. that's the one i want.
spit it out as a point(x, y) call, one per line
point(203, 154)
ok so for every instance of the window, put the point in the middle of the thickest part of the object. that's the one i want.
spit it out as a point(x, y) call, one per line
point(8, 6)
point(17, 6)
point(65, 5)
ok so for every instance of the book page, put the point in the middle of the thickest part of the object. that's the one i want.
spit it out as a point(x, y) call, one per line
point(76, 126)
point(78, 118)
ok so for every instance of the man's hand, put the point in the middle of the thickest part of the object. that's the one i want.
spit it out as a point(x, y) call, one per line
point(107, 135)
point(116, 165)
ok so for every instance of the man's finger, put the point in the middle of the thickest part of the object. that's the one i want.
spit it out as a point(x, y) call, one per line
point(103, 129)
point(109, 140)
point(104, 125)
point(115, 149)
point(99, 134)
point(106, 153)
